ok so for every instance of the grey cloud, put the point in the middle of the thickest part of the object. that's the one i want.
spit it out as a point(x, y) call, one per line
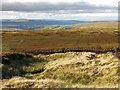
point(49, 7)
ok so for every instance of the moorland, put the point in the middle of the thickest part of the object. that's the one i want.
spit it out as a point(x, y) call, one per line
point(84, 57)
point(48, 41)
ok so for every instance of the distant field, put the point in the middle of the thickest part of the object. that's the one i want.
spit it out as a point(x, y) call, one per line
point(97, 39)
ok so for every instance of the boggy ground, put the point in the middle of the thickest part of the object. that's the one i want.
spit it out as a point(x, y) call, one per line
point(61, 70)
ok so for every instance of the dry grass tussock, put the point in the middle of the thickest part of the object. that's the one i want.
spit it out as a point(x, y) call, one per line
point(85, 68)
point(71, 70)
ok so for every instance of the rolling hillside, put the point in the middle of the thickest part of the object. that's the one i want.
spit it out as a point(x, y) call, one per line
point(82, 25)
point(16, 25)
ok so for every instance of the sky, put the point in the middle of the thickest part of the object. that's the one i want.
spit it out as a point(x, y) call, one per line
point(83, 10)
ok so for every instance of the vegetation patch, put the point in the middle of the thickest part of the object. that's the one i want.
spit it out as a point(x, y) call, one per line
point(60, 70)
point(20, 64)
point(53, 41)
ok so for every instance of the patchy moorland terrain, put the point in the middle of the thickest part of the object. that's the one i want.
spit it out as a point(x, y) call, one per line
point(61, 70)
point(70, 58)
point(49, 41)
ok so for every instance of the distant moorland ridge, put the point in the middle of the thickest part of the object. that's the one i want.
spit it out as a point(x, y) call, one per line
point(24, 24)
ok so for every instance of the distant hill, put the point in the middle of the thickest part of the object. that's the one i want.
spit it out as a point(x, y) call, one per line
point(98, 25)
point(24, 24)
point(41, 22)
point(82, 25)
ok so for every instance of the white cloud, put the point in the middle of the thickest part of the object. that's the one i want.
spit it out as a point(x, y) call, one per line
point(78, 16)
point(104, 2)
